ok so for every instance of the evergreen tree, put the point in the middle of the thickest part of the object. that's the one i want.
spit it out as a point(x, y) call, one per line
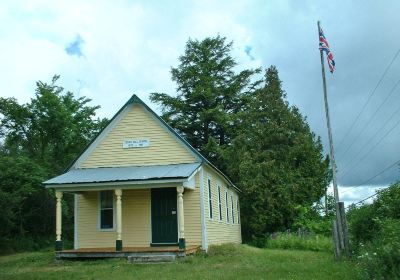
point(276, 161)
point(210, 93)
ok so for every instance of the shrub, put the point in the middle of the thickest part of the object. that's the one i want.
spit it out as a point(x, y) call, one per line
point(381, 258)
point(363, 224)
point(375, 235)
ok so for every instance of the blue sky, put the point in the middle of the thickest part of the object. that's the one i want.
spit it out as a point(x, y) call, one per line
point(108, 50)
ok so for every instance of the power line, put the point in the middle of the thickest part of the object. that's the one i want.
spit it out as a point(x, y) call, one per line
point(386, 122)
point(369, 97)
point(370, 150)
point(373, 115)
point(380, 173)
point(361, 201)
point(373, 177)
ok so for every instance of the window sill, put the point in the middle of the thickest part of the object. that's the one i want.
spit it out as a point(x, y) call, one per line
point(106, 229)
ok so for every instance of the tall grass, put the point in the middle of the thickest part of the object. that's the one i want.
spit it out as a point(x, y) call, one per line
point(309, 242)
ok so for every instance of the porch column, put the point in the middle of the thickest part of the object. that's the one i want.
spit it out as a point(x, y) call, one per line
point(59, 196)
point(181, 218)
point(118, 242)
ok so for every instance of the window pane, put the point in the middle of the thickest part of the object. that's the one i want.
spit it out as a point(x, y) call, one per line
point(106, 218)
point(106, 199)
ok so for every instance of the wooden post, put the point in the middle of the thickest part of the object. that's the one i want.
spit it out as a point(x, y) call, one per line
point(331, 153)
point(345, 229)
point(335, 239)
point(58, 244)
point(118, 242)
point(181, 218)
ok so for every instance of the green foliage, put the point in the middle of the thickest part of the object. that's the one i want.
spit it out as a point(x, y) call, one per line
point(316, 219)
point(375, 234)
point(21, 192)
point(380, 259)
point(209, 95)
point(235, 262)
point(296, 242)
point(38, 140)
point(365, 221)
point(276, 160)
point(248, 130)
point(52, 129)
point(364, 224)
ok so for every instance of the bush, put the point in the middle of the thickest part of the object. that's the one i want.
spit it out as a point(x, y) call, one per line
point(294, 242)
point(381, 258)
point(363, 224)
point(9, 246)
point(375, 235)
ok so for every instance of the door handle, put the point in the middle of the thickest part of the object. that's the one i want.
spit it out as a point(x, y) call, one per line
point(173, 212)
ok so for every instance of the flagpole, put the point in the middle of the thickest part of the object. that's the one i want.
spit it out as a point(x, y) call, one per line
point(331, 152)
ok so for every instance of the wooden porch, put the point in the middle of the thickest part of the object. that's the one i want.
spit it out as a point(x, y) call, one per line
point(135, 252)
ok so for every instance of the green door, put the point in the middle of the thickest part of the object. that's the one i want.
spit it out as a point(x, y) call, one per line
point(164, 224)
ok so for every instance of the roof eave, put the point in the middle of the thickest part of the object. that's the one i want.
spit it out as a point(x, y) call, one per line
point(117, 182)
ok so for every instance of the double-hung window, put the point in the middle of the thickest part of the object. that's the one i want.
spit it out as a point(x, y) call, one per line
point(233, 211)
point(106, 210)
point(219, 203)
point(226, 206)
point(209, 198)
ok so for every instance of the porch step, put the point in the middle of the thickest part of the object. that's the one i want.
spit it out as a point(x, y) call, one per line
point(151, 258)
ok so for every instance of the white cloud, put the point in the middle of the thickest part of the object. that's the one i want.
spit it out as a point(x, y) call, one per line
point(131, 45)
point(354, 194)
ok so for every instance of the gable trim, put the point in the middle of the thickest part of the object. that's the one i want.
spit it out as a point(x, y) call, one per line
point(119, 115)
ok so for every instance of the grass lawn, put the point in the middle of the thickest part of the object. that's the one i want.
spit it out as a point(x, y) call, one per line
point(222, 262)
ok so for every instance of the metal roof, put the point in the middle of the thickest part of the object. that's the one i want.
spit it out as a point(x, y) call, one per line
point(131, 173)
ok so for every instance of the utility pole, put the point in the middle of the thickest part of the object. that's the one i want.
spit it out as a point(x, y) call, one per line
point(340, 244)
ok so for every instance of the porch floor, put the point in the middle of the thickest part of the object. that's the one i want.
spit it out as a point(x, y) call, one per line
point(110, 252)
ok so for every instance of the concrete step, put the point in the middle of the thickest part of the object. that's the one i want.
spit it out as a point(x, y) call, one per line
point(151, 258)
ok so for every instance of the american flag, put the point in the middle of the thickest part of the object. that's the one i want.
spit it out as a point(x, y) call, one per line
point(324, 46)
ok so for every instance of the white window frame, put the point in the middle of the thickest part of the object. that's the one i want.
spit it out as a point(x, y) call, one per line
point(210, 204)
point(227, 207)
point(99, 212)
point(233, 210)
point(219, 204)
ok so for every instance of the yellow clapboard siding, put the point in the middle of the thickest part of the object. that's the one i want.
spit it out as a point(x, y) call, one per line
point(135, 220)
point(138, 124)
point(191, 205)
point(219, 232)
point(136, 227)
